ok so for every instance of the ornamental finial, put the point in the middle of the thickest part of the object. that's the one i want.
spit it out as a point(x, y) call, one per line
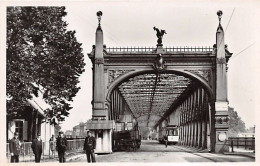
point(219, 13)
point(99, 14)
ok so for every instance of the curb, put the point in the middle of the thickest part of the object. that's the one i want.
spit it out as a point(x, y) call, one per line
point(241, 154)
point(46, 159)
point(76, 156)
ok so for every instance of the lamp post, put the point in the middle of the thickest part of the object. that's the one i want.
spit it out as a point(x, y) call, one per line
point(99, 14)
point(219, 13)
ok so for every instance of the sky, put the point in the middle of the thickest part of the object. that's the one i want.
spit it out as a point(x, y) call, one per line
point(131, 24)
point(187, 23)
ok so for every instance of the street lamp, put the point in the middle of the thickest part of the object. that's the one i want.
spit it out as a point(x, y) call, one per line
point(219, 13)
point(99, 14)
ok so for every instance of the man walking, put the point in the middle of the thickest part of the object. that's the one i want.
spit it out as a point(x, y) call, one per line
point(61, 147)
point(166, 140)
point(37, 148)
point(14, 146)
point(89, 146)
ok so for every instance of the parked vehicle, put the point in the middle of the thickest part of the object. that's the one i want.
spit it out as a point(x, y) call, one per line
point(126, 136)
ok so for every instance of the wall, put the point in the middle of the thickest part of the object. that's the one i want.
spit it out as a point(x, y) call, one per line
point(47, 131)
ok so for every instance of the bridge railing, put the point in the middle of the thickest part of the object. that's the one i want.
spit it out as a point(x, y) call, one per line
point(130, 49)
point(246, 143)
point(49, 150)
point(189, 49)
point(152, 49)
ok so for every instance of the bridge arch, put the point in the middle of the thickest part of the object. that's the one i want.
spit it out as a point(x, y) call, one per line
point(187, 74)
point(163, 116)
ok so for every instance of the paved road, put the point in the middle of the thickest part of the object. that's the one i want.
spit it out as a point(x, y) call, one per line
point(152, 151)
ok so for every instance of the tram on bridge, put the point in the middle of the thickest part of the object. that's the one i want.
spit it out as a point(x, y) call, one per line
point(171, 132)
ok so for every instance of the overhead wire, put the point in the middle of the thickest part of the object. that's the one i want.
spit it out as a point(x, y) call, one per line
point(91, 21)
point(111, 36)
point(226, 32)
point(230, 19)
point(227, 25)
point(243, 50)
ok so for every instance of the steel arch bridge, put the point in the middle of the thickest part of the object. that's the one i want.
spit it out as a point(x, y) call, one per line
point(181, 86)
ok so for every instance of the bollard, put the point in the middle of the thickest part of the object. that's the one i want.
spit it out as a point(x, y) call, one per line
point(245, 142)
point(253, 144)
point(237, 142)
point(232, 150)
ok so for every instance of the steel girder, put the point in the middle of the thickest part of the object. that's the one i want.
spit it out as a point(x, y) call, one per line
point(149, 96)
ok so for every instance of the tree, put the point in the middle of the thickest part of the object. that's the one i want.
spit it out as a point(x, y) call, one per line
point(236, 125)
point(56, 129)
point(41, 55)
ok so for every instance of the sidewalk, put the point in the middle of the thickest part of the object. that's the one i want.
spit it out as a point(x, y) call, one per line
point(47, 158)
point(246, 154)
point(237, 151)
point(241, 152)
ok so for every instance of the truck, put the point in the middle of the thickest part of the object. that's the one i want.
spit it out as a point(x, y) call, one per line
point(126, 135)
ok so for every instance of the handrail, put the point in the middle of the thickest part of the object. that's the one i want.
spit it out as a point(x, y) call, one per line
point(246, 142)
point(167, 49)
point(26, 152)
point(130, 49)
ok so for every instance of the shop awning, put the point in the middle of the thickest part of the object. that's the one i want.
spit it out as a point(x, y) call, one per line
point(101, 124)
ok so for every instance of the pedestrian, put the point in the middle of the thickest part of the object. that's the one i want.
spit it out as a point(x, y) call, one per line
point(14, 147)
point(37, 148)
point(89, 146)
point(61, 147)
point(52, 145)
point(165, 140)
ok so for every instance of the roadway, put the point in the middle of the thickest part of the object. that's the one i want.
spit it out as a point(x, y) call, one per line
point(152, 151)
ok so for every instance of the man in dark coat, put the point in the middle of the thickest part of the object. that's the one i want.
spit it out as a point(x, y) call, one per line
point(89, 146)
point(166, 140)
point(14, 146)
point(61, 147)
point(37, 148)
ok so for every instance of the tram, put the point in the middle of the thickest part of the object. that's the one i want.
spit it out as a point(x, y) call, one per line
point(172, 133)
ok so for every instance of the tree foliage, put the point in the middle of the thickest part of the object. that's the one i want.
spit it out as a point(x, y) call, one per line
point(56, 130)
point(41, 52)
point(236, 125)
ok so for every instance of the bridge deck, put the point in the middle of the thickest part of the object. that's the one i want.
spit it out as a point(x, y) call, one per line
point(152, 151)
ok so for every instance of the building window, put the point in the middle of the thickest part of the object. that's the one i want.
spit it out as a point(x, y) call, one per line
point(19, 128)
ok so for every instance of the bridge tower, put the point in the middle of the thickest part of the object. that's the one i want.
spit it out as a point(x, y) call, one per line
point(98, 76)
point(100, 123)
point(221, 103)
